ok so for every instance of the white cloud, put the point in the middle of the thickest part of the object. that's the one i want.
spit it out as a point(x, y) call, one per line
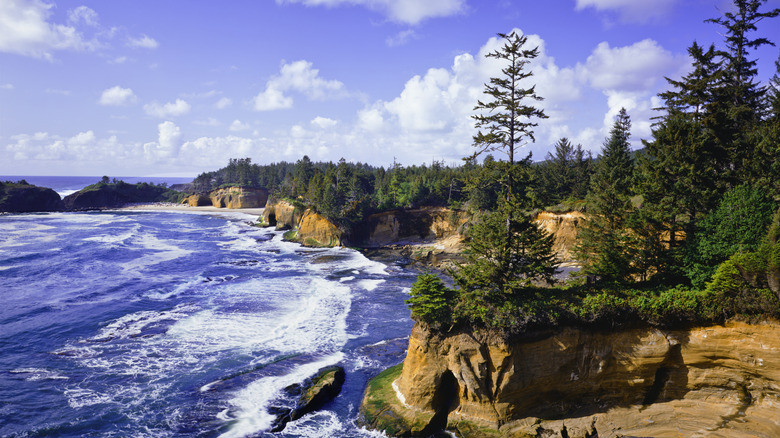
point(272, 99)
point(370, 119)
point(223, 103)
point(639, 11)
point(117, 96)
point(404, 11)
point(84, 147)
point(238, 125)
point(639, 66)
point(206, 151)
point(297, 76)
point(324, 122)
point(143, 42)
point(167, 145)
point(118, 60)
point(7, 87)
point(25, 30)
point(401, 38)
point(170, 109)
point(83, 14)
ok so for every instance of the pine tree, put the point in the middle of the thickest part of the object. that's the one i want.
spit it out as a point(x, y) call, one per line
point(507, 118)
point(606, 248)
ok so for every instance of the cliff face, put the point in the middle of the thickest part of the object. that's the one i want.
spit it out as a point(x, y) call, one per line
point(309, 228)
point(713, 381)
point(22, 198)
point(563, 227)
point(238, 197)
point(412, 226)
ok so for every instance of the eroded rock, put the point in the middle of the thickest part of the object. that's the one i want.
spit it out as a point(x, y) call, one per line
point(713, 381)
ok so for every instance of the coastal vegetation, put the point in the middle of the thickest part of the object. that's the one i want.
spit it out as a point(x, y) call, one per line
point(679, 232)
point(20, 196)
point(114, 193)
point(676, 235)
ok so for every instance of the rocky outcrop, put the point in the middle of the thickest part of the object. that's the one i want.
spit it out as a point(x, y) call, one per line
point(238, 197)
point(197, 200)
point(711, 381)
point(310, 396)
point(306, 226)
point(563, 227)
point(425, 224)
point(104, 195)
point(23, 198)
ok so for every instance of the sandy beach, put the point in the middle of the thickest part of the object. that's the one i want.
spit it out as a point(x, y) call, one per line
point(160, 206)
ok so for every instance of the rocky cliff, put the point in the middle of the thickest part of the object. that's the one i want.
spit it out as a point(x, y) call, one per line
point(22, 198)
point(307, 226)
point(428, 230)
point(563, 227)
point(711, 381)
point(238, 197)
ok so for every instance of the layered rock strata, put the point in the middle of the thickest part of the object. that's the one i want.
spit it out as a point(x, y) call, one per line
point(711, 381)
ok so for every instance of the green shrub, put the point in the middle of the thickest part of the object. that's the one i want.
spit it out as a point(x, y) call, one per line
point(431, 301)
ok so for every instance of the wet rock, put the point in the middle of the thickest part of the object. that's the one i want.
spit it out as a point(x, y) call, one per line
point(309, 396)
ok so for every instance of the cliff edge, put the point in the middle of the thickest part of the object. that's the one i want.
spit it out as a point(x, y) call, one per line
point(709, 381)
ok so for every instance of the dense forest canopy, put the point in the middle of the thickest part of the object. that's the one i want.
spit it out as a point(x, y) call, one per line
point(683, 230)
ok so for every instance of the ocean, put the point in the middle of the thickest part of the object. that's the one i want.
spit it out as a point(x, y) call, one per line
point(172, 324)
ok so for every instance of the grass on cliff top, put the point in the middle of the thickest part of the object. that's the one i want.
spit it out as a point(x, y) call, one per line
point(382, 410)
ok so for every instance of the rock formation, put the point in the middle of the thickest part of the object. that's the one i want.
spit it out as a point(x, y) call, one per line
point(563, 227)
point(23, 198)
point(239, 197)
point(103, 195)
point(308, 227)
point(710, 381)
point(310, 396)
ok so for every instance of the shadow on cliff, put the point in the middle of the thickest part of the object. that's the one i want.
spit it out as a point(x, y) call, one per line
point(602, 376)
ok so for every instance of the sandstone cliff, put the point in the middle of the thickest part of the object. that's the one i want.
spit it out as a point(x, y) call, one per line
point(239, 197)
point(307, 226)
point(712, 381)
point(563, 227)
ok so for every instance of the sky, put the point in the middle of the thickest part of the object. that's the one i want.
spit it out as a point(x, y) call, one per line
point(176, 88)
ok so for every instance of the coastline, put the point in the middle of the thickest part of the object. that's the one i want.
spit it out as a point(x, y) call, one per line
point(161, 206)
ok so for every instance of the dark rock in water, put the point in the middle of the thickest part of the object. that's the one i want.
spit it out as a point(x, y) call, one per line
point(23, 198)
point(310, 396)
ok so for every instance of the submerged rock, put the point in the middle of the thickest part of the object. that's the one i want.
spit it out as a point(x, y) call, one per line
point(309, 396)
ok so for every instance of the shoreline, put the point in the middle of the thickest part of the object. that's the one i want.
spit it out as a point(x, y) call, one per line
point(161, 206)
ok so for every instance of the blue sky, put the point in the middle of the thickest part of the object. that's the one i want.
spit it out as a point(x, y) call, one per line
point(175, 88)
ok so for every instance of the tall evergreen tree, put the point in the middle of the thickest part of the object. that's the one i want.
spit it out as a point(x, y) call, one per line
point(507, 117)
point(739, 94)
point(565, 174)
point(606, 248)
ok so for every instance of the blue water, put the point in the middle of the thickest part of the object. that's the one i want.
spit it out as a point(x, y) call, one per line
point(146, 324)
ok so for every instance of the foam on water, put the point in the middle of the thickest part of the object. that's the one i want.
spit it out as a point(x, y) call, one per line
point(249, 414)
point(237, 315)
point(35, 374)
point(370, 285)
